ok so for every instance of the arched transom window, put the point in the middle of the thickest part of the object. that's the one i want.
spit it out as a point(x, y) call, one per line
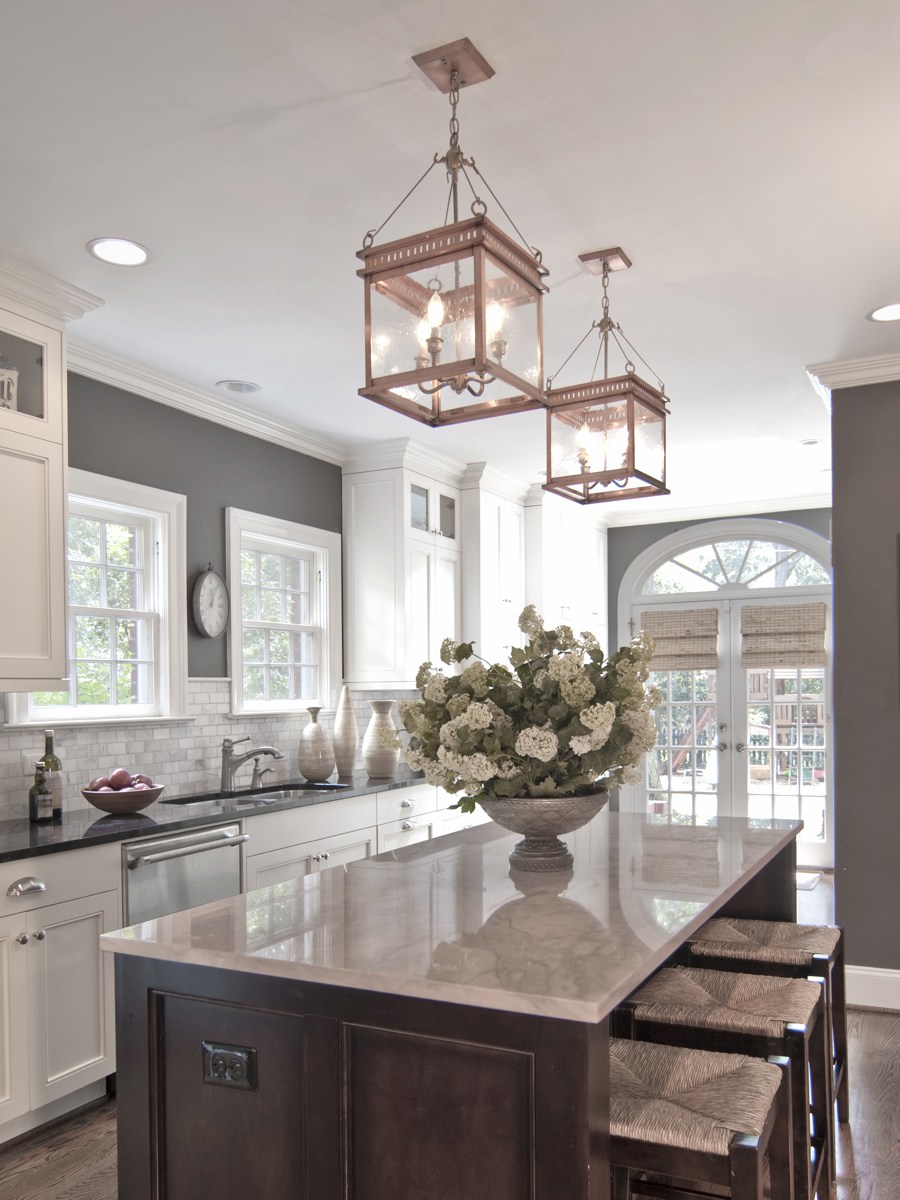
point(735, 562)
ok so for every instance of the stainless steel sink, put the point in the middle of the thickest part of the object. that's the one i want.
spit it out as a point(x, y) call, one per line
point(261, 797)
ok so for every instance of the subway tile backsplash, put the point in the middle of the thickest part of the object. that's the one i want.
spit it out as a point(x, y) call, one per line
point(184, 755)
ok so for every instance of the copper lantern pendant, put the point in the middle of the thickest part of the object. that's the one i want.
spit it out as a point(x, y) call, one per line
point(453, 315)
point(606, 440)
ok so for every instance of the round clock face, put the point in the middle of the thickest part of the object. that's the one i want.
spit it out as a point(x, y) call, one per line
point(211, 604)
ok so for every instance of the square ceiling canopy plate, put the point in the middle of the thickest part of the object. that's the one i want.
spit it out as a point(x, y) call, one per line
point(615, 258)
point(462, 57)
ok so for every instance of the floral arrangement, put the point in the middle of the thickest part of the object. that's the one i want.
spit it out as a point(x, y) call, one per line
point(565, 720)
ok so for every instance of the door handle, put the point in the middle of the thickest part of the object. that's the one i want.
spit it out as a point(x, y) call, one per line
point(740, 747)
point(722, 747)
point(201, 848)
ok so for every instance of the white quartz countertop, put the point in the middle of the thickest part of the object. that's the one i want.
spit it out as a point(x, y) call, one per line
point(445, 920)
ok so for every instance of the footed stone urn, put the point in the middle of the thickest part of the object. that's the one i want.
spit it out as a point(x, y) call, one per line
point(542, 819)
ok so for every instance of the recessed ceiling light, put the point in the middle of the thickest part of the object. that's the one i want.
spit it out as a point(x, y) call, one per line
point(811, 442)
point(241, 386)
point(119, 251)
point(888, 312)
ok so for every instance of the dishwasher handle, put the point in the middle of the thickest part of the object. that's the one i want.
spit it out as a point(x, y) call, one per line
point(183, 851)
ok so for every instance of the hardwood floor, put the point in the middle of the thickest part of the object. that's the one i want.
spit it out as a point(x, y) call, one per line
point(72, 1160)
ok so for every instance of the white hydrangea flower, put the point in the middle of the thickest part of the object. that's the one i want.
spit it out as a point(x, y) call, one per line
point(578, 690)
point(564, 666)
point(458, 704)
point(478, 716)
point(582, 743)
point(435, 689)
point(415, 758)
point(436, 774)
point(474, 679)
point(643, 728)
point(448, 649)
point(542, 744)
point(507, 769)
point(599, 719)
point(631, 775)
point(530, 621)
point(467, 766)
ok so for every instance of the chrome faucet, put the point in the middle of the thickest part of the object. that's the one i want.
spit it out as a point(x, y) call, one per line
point(231, 761)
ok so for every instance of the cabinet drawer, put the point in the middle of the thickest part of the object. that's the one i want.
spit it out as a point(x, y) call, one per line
point(395, 834)
point(65, 876)
point(406, 801)
point(291, 827)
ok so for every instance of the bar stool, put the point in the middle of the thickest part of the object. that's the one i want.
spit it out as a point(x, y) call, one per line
point(699, 1118)
point(755, 1015)
point(785, 948)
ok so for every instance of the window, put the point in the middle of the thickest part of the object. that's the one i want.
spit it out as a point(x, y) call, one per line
point(285, 624)
point(125, 563)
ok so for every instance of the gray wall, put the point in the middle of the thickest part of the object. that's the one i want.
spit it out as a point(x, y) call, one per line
point(116, 433)
point(866, 438)
point(626, 542)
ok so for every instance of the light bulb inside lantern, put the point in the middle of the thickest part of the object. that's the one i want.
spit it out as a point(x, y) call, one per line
point(494, 317)
point(434, 314)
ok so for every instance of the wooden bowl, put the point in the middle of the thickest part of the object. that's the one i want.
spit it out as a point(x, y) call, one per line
point(123, 802)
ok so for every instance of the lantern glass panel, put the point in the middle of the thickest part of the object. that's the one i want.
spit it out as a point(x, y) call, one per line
point(649, 446)
point(512, 329)
point(410, 308)
point(587, 441)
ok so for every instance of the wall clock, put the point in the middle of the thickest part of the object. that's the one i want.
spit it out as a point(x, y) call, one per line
point(210, 603)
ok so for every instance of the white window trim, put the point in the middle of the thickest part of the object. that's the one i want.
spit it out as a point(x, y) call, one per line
point(327, 547)
point(171, 509)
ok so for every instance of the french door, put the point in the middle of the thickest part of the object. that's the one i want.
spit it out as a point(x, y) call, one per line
point(742, 742)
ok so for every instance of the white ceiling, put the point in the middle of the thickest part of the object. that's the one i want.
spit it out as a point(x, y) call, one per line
point(744, 155)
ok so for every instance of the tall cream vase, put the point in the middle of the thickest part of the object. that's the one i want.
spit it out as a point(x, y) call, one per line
point(346, 734)
point(315, 755)
point(380, 761)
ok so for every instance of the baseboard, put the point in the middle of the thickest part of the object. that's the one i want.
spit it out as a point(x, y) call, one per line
point(873, 987)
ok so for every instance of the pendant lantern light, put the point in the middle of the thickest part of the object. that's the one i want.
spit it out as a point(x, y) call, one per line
point(606, 439)
point(453, 314)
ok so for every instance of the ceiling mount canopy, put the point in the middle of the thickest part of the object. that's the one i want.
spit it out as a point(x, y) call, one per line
point(606, 439)
point(454, 315)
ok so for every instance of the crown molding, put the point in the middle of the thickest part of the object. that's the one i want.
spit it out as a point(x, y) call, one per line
point(43, 297)
point(407, 453)
point(488, 479)
point(853, 372)
point(142, 381)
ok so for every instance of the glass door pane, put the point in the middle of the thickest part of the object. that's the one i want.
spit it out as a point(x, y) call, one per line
point(785, 752)
point(684, 772)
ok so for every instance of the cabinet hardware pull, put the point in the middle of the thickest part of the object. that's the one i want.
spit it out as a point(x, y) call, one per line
point(26, 885)
point(325, 854)
point(407, 825)
point(407, 803)
point(22, 939)
point(197, 848)
point(317, 858)
point(40, 935)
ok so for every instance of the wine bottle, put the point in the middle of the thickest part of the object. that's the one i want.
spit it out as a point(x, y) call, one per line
point(53, 773)
point(40, 797)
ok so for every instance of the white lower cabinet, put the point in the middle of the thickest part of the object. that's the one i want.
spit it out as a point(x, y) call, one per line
point(296, 842)
point(57, 1003)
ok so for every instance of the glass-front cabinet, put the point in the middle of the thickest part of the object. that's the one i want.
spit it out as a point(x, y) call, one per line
point(31, 378)
point(432, 510)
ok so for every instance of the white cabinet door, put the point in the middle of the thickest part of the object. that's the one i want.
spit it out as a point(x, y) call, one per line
point(32, 550)
point(71, 999)
point(14, 1096)
point(293, 862)
point(431, 510)
point(433, 601)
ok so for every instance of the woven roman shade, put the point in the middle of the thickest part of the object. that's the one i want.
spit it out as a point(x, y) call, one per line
point(685, 640)
point(783, 635)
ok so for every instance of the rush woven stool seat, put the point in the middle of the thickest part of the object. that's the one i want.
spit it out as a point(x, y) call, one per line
point(680, 1118)
point(754, 1015)
point(785, 948)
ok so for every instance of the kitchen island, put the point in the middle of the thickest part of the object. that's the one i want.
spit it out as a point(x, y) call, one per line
point(422, 1024)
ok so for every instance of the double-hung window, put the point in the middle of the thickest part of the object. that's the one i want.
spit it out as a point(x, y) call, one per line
point(285, 613)
point(126, 606)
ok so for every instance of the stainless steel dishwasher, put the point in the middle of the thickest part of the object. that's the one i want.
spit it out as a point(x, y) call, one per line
point(166, 874)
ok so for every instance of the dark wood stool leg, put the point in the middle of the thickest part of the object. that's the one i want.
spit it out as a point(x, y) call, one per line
point(822, 1101)
point(839, 1025)
point(800, 1103)
point(619, 1183)
point(746, 1169)
point(781, 1145)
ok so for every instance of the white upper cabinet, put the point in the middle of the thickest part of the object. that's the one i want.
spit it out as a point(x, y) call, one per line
point(402, 564)
point(567, 564)
point(33, 311)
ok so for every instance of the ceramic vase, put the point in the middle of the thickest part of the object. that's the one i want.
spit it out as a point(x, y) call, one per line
point(315, 754)
point(379, 760)
point(346, 734)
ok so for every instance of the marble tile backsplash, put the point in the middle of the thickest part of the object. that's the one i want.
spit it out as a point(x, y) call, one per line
point(184, 755)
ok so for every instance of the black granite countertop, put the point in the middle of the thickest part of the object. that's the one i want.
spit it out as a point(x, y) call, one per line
point(88, 826)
